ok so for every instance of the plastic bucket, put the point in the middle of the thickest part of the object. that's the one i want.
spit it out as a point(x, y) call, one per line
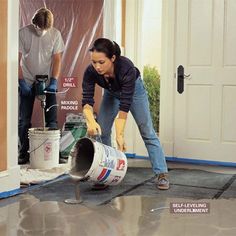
point(94, 161)
point(69, 139)
point(44, 148)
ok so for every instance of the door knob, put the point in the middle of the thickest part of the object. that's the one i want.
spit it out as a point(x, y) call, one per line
point(180, 79)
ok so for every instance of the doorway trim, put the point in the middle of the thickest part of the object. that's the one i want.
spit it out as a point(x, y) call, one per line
point(10, 177)
point(3, 86)
point(168, 77)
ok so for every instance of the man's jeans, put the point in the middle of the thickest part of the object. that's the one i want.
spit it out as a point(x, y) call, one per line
point(26, 104)
point(141, 113)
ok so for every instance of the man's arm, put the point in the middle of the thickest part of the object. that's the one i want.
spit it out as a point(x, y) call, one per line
point(25, 89)
point(56, 69)
point(20, 73)
point(56, 65)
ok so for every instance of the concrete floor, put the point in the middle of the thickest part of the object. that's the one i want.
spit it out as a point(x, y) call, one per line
point(127, 209)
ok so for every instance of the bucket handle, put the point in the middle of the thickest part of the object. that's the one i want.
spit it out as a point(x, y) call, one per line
point(96, 137)
point(29, 151)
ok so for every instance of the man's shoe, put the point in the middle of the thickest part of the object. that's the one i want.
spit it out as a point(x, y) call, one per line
point(23, 159)
point(99, 187)
point(162, 181)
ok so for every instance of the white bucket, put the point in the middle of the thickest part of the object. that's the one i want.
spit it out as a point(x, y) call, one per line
point(44, 148)
point(97, 162)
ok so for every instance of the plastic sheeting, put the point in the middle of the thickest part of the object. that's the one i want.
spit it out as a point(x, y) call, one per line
point(80, 23)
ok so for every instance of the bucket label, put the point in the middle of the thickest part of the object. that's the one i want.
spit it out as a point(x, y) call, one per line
point(47, 151)
point(116, 179)
point(108, 163)
point(120, 164)
point(111, 151)
point(103, 175)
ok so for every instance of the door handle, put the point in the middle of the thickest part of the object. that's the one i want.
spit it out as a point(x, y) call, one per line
point(180, 78)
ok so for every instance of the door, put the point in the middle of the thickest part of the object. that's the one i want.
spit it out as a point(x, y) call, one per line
point(205, 113)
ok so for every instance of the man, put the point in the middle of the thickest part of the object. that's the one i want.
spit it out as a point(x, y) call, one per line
point(40, 52)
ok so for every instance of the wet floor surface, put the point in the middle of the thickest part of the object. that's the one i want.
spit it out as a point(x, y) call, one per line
point(135, 207)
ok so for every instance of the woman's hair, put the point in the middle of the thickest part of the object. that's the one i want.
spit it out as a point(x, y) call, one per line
point(43, 18)
point(106, 46)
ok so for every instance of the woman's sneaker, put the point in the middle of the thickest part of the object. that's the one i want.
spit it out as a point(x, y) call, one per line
point(162, 181)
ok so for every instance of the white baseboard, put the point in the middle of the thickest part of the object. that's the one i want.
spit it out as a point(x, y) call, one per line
point(10, 179)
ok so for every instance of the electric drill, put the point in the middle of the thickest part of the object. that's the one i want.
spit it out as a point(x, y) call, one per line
point(40, 86)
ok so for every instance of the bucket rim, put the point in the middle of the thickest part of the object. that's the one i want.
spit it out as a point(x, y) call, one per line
point(74, 155)
point(90, 139)
point(40, 130)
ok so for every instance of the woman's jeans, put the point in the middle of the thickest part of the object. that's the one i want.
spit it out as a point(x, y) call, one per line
point(26, 104)
point(141, 113)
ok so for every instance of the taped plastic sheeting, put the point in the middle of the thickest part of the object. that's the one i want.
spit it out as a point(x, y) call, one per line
point(80, 23)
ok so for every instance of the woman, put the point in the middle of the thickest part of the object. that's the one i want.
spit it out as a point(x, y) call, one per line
point(123, 92)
